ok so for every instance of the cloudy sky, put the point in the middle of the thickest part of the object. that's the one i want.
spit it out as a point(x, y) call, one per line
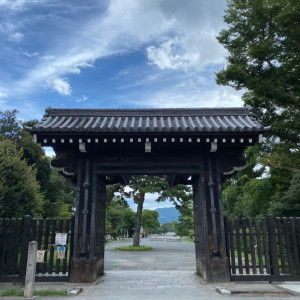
point(117, 54)
point(111, 54)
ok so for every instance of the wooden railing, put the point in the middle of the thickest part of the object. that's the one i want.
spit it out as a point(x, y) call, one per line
point(264, 248)
point(15, 235)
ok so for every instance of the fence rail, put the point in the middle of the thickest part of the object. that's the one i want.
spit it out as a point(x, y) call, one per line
point(264, 248)
point(15, 235)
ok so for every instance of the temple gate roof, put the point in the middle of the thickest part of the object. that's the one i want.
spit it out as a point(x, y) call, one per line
point(196, 120)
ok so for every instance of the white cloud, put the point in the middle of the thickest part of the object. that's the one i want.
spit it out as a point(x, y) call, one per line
point(129, 25)
point(2, 94)
point(186, 52)
point(61, 86)
point(16, 37)
point(150, 202)
point(29, 54)
point(175, 36)
point(82, 99)
point(18, 4)
point(220, 97)
point(167, 55)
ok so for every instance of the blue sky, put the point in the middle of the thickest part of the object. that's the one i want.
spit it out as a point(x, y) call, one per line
point(117, 54)
point(111, 54)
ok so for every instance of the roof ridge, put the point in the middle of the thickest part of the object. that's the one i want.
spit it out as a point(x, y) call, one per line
point(148, 111)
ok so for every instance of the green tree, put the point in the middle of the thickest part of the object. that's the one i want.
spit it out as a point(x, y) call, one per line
point(289, 206)
point(19, 190)
point(60, 195)
point(58, 192)
point(113, 218)
point(262, 40)
point(179, 194)
point(168, 227)
point(128, 221)
point(185, 225)
point(139, 186)
point(10, 126)
point(150, 221)
point(118, 214)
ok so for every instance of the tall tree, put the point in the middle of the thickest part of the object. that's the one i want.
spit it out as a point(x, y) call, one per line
point(263, 54)
point(10, 126)
point(139, 186)
point(19, 190)
point(58, 192)
point(290, 204)
point(262, 40)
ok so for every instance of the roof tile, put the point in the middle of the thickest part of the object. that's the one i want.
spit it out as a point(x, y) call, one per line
point(149, 120)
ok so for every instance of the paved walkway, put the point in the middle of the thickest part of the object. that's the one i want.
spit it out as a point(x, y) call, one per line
point(166, 273)
point(167, 256)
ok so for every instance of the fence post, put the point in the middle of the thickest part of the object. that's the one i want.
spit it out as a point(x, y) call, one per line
point(30, 270)
point(24, 250)
point(273, 246)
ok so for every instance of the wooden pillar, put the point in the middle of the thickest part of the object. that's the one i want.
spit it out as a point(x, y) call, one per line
point(88, 257)
point(99, 223)
point(211, 258)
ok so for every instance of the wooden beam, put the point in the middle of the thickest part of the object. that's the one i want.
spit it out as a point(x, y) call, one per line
point(144, 171)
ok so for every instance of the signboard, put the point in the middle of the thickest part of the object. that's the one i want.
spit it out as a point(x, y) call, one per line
point(40, 256)
point(61, 239)
point(61, 252)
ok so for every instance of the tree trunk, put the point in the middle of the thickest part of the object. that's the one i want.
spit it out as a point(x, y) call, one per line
point(138, 219)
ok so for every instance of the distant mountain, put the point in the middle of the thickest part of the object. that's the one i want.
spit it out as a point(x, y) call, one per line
point(167, 214)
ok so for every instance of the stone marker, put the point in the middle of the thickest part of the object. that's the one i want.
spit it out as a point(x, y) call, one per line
point(30, 270)
point(222, 291)
point(74, 291)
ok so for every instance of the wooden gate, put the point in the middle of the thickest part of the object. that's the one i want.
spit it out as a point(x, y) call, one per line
point(15, 235)
point(266, 249)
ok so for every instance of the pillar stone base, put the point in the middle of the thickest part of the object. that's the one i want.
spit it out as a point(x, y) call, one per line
point(85, 270)
point(213, 269)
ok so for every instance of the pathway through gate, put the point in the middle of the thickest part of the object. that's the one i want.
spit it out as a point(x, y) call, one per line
point(166, 256)
point(169, 266)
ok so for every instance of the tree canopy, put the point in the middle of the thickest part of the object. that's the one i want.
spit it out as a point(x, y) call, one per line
point(263, 55)
point(150, 222)
point(19, 189)
point(55, 194)
point(262, 40)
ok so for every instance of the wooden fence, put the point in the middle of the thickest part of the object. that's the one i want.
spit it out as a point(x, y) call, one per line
point(15, 234)
point(264, 248)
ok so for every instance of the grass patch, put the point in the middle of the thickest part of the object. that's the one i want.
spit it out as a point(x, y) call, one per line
point(133, 248)
point(20, 293)
point(188, 240)
point(51, 293)
point(12, 293)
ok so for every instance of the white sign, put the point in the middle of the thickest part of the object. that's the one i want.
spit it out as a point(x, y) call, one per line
point(40, 256)
point(61, 239)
